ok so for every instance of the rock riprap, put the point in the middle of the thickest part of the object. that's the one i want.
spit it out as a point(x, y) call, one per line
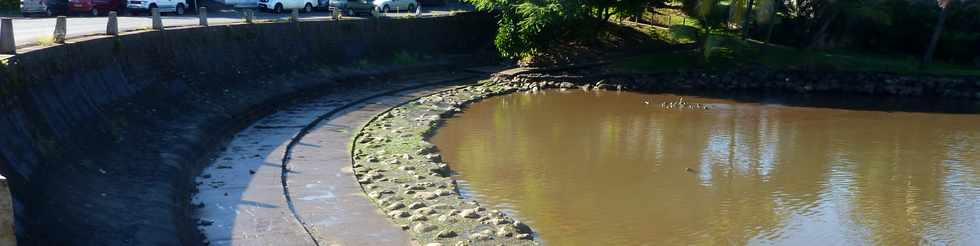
point(404, 176)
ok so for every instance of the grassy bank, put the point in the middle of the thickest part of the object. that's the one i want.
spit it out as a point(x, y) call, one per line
point(732, 53)
point(775, 57)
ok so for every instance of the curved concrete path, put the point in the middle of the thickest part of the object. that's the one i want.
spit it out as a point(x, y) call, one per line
point(249, 198)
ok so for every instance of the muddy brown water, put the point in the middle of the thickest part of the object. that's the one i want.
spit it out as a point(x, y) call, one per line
point(606, 168)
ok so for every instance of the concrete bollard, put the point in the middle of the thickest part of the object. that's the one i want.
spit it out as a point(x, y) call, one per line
point(157, 22)
point(202, 15)
point(249, 16)
point(418, 11)
point(7, 44)
point(60, 29)
point(7, 236)
point(112, 27)
point(294, 15)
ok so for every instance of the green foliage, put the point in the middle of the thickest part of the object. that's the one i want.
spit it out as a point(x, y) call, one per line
point(9, 5)
point(685, 32)
point(405, 58)
point(527, 27)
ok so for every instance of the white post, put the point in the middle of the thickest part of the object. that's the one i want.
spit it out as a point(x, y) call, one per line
point(157, 22)
point(7, 236)
point(202, 15)
point(7, 44)
point(248, 16)
point(60, 29)
point(112, 27)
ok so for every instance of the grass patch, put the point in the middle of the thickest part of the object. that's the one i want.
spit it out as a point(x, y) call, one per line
point(728, 52)
point(46, 40)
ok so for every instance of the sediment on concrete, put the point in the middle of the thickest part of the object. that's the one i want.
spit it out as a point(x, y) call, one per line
point(101, 138)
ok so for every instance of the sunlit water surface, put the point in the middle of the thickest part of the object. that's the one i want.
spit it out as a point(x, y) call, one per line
point(615, 168)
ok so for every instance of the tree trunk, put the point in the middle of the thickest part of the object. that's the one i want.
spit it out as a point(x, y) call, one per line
point(772, 20)
point(936, 33)
point(823, 30)
point(745, 20)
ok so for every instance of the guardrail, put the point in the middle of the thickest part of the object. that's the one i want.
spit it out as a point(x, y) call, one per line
point(8, 45)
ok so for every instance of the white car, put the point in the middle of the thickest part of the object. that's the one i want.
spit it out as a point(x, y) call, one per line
point(165, 6)
point(278, 6)
point(395, 5)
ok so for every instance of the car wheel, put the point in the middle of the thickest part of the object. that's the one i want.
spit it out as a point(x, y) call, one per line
point(386, 9)
point(149, 11)
point(411, 8)
point(95, 12)
point(350, 12)
point(308, 8)
point(180, 9)
point(277, 9)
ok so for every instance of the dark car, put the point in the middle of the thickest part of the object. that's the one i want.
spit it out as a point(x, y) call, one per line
point(351, 7)
point(96, 7)
point(432, 2)
point(44, 7)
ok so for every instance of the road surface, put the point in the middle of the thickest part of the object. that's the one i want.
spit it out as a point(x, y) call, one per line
point(29, 31)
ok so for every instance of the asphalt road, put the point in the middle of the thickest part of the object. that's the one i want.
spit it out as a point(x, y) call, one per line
point(28, 31)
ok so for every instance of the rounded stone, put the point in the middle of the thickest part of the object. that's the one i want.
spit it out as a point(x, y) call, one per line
point(426, 196)
point(399, 214)
point(395, 205)
point(506, 231)
point(447, 218)
point(443, 192)
point(425, 211)
point(446, 234)
point(416, 205)
point(479, 237)
point(424, 227)
point(469, 213)
point(418, 217)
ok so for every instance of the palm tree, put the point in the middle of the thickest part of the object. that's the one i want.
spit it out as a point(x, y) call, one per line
point(940, 23)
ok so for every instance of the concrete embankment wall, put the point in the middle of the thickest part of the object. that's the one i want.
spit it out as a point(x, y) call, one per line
point(100, 139)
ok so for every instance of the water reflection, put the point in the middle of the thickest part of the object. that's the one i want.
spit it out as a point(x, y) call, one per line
point(604, 167)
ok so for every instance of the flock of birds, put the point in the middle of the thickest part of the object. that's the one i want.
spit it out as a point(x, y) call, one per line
point(680, 104)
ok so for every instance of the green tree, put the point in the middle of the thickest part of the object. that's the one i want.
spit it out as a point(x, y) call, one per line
point(527, 27)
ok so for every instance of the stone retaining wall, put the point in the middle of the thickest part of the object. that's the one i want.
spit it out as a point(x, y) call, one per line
point(100, 139)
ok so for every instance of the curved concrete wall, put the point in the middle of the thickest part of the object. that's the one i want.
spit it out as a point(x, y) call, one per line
point(101, 138)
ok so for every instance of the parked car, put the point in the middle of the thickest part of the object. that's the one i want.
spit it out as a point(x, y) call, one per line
point(165, 6)
point(432, 2)
point(279, 6)
point(96, 7)
point(43, 7)
point(395, 5)
point(351, 7)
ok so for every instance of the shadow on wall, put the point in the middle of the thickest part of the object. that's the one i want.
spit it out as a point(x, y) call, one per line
point(101, 139)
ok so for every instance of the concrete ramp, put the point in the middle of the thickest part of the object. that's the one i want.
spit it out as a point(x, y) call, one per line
point(287, 179)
